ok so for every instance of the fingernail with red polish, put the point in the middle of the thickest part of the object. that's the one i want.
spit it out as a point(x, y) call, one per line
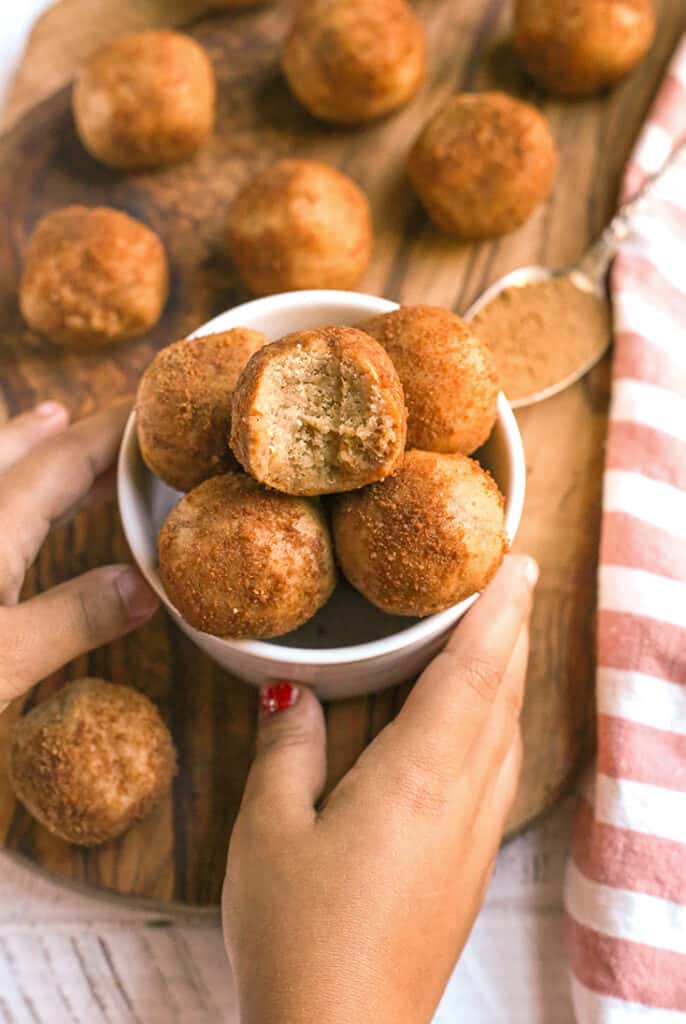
point(139, 600)
point(278, 697)
point(51, 411)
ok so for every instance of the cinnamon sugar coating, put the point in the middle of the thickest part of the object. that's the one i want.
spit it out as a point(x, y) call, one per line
point(448, 376)
point(300, 224)
point(482, 164)
point(91, 760)
point(580, 47)
point(353, 62)
point(145, 100)
point(424, 539)
point(92, 276)
point(542, 332)
point(183, 405)
point(238, 561)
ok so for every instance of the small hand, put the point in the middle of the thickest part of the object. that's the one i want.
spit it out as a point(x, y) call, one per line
point(46, 468)
point(357, 910)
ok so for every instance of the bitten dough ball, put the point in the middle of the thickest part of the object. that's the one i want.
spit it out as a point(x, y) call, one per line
point(447, 373)
point(239, 561)
point(183, 405)
point(93, 276)
point(319, 411)
point(353, 62)
point(580, 47)
point(482, 164)
point(145, 100)
point(425, 538)
point(91, 760)
point(300, 224)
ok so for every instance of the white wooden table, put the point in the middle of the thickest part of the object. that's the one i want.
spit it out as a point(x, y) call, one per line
point(67, 957)
point(71, 958)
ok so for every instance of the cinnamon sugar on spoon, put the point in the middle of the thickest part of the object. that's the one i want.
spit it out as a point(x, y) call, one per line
point(548, 328)
point(544, 335)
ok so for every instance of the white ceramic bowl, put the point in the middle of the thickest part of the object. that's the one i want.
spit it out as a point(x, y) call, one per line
point(349, 647)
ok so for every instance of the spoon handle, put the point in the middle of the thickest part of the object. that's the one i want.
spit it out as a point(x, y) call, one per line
point(597, 259)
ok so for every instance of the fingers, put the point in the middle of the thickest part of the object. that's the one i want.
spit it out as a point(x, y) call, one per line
point(495, 738)
point(454, 698)
point(20, 435)
point(501, 793)
point(487, 832)
point(40, 635)
point(102, 491)
point(288, 774)
point(46, 483)
point(507, 780)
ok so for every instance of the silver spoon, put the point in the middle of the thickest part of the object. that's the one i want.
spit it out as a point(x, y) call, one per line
point(587, 275)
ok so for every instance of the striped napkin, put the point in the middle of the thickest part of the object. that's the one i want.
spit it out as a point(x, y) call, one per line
point(626, 883)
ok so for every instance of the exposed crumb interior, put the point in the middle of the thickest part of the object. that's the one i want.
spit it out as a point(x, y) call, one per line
point(327, 421)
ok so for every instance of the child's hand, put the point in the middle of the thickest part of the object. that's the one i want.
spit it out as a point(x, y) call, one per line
point(358, 910)
point(45, 470)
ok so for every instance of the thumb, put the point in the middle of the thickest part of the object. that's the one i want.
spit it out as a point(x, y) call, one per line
point(42, 634)
point(289, 771)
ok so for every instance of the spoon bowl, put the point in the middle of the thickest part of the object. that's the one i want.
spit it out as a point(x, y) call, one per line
point(588, 275)
point(534, 274)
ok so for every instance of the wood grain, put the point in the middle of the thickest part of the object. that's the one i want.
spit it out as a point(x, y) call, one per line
point(178, 854)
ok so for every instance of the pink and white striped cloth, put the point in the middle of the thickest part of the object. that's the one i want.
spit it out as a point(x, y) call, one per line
point(626, 884)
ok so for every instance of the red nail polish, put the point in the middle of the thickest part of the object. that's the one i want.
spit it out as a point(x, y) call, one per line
point(278, 697)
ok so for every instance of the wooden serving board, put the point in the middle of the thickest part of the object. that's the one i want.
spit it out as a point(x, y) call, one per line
point(178, 854)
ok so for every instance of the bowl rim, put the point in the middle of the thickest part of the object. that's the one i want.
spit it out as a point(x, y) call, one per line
point(416, 634)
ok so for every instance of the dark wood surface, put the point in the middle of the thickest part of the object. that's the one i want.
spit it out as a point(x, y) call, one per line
point(178, 854)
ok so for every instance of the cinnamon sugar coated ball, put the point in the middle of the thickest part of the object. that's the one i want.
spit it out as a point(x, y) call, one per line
point(319, 411)
point(425, 538)
point(580, 47)
point(92, 276)
point(300, 224)
point(237, 560)
point(145, 100)
point(447, 373)
point(183, 405)
point(482, 164)
point(91, 760)
point(353, 62)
